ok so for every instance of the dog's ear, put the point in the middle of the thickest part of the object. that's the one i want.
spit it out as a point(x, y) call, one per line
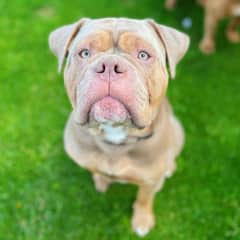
point(175, 43)
point(60, 40)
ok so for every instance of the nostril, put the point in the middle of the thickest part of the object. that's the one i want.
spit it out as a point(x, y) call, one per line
point(102, 69)
point(117, 69)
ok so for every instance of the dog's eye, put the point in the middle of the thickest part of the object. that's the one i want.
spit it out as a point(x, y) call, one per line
point(85, 53)
point(143, 55)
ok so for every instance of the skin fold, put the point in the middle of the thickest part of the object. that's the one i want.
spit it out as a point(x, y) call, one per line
point(216, 10)
point(122, 127)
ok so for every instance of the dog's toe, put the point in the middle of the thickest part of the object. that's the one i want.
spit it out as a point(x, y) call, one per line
point(233, 36)
point(170, 4)
point(142, 223)
point(101, 183)
point(141, 232)
point(207, 46)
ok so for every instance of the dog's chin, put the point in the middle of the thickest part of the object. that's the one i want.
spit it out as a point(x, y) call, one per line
point(109, 110)
point(109, 119)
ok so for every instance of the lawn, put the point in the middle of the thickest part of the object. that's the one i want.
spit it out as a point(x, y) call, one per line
point(45, 196)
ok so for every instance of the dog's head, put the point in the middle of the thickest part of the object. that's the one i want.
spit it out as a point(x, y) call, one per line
point(116, 67)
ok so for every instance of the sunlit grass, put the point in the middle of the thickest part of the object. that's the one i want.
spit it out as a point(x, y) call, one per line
point(44, 195)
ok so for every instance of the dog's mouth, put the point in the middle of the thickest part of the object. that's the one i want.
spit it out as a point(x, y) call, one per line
point(109, 109)
point(111, 119)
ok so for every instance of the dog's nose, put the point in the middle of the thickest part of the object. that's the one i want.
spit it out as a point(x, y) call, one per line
point(110, 68)
point(118, 69)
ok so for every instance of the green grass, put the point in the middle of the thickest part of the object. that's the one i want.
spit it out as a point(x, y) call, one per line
point(45, 196)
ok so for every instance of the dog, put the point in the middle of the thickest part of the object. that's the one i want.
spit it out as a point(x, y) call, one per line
point(122, 127)
point(215, 10)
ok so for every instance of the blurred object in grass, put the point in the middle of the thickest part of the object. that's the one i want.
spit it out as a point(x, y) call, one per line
point(46, 12)
point(187, 23)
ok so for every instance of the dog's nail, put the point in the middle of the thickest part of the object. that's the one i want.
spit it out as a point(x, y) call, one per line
point(141, 232)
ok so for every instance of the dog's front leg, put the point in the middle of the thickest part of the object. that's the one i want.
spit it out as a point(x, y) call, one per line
point(101, 182)
point(207, 44)
point(143, 218)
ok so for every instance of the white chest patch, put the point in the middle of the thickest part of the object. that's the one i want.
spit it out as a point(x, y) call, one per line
point(114, 134)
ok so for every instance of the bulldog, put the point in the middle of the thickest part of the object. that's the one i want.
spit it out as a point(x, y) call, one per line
point(122, 127)
point(215, 10)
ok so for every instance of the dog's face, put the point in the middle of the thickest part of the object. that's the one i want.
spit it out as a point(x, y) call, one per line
point(116, 68)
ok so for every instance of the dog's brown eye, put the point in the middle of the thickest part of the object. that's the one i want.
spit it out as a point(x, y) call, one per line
point(143, 55)
point(85, 53)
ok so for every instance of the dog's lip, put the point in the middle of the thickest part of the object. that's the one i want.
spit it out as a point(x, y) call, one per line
point(108, 109)
point(129, 111)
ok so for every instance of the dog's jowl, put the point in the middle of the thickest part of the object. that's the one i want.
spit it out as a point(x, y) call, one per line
point(122, 127)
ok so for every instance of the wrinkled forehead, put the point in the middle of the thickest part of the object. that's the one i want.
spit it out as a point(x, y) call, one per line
point(117, 26)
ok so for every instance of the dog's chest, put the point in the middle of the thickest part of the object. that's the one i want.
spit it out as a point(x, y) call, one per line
point(120, 169)
point(124, 170)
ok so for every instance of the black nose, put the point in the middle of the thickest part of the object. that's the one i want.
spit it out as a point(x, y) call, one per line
point(114, 68)
point(101, 69)
point(117, 69)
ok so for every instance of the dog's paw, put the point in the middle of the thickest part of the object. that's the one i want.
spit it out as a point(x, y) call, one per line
point(233, 36)
point(142, 222)
point(207, 46)
point(101, 183)
point(170, 4)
